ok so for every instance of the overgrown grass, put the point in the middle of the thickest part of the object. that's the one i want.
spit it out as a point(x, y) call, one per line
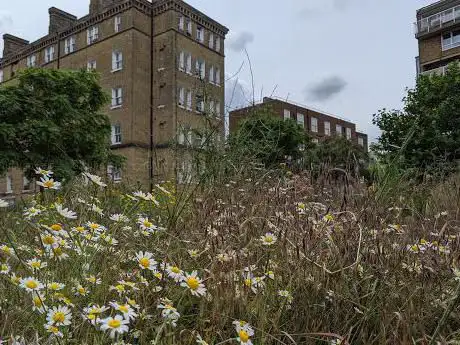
point(347, 265)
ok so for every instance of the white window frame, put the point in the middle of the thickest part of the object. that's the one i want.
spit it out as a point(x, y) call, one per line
point(117, 136)
point(31, 60)
point(199, 104)
point(188, 22)
point(452, 42)
point(314, 124)
point(189, 100)
point(301, 120)
point(339, 130)
point(327, 128)
point(181, 97)
point(211, 40)
point(26, 183)
point(348, 133)
point(49, 54)
point(361, 141)
point(287, 114)
point(212, 74)
point(200, 34)
point(188, 63)
point(113, 173)
point(91, 65)
point(117, 97)
point(217, 45)
point(217, 111)
point(200, 68)
point(217, 77)
point(182, 61)
point(181, 23)
point(69, 45)
point(117, 26)
point(9, 184)
point(117, 61)
point(92, 35)
point(1, 76)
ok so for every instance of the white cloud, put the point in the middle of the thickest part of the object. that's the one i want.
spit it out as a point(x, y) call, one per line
point(239, 41)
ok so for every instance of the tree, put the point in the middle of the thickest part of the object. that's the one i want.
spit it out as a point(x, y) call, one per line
point(269, 138)
point(425, 135)
point(53, 118)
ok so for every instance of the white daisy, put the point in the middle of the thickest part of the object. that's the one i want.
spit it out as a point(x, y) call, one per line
point(31, 284)
point(65, 212)
point(146, 261)
point(53, 330)
point(43, 172)
point(48, 183)
point(55, 286)
point(175, 273)
point(31, 212)
point(38, 303)
point(194, 283)
point(115, 325)
point(125, 309)
point(268, 239)
point(120, 218)
point(36, 264)
point(93, 178)
point(93, 312)
point(59, 316)
point(168, 312)
point(244, 331)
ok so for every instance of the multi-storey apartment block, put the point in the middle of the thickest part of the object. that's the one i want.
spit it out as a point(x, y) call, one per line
point(318, 124)
point(438, 33)
point(162, 63)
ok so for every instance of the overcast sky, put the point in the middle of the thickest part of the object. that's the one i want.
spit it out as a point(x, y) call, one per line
point(347, 57)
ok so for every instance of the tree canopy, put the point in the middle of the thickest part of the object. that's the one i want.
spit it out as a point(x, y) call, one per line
point(425, 134)
point(53, 118)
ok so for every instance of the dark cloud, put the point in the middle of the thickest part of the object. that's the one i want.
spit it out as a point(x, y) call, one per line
point(240, 41)
point(325, 89)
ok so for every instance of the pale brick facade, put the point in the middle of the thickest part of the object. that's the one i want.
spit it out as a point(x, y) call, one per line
point(150, 38)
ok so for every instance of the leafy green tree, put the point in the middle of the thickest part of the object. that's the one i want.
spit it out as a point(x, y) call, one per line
point(269, 138)
point(53, 118)
point(425, 135)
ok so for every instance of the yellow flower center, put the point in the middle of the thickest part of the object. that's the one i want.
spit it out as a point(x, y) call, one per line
point(244, 336)
point(120, 287)
point(158, 275)
point(94, 226)
point(147, 224)
point(4, 267)
point(53, 329)
point(175, 269)
point(269, 239)
point(80, 229)
point(31, 284)
point(114, 323)
point(58, 251)
point(247, 282)
point(123, 308)
point(6, 250)
point(48, 184)
point(59, 317)
point(48, 240)
point(56, 227)
point(36, 264)
point(193, 283)
point(144, 262)
point(91, 316)
point(81, 290)
point(37, 301)
point(54, 286)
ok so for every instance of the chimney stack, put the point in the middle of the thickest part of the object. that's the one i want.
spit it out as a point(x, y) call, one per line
point(13, 44)
point(60, 20)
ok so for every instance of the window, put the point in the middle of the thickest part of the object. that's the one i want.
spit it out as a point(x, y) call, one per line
point(49, 54)
point(92, 35)
point(69, 45)
point(181, 23)
point(181, 97)
point(117, 98)
point(184, 172)
point(218, 44)
point(113, 173)
point(199, 103)
point(327, 128)
point(287, 114)
point(217, 111)
point(188, 67)
point(314, 124)
point(211, 74)
point(31, 61)
point(189, 99)
point(211, 40)
point(212, 107)
point(217, 78)
point(200, 68)
point(117, 23)
point(189, 26)
point(348, 133)
point(116, 134)
point(200, 34)
point(117, 61)
point(361, 141)
point(26, 184)
point(1, 76)
point(338, 130)
point(450, 40)
point(91, 65)
point(182, 61)
point(9, 184)
point(301, 120)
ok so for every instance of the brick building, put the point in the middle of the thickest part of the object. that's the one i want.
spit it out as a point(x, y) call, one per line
point(438, 33)
point(162, 62)
point(317, 123)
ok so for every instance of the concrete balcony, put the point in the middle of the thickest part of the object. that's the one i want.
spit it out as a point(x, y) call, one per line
point(440, 71)
point(438, 21)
